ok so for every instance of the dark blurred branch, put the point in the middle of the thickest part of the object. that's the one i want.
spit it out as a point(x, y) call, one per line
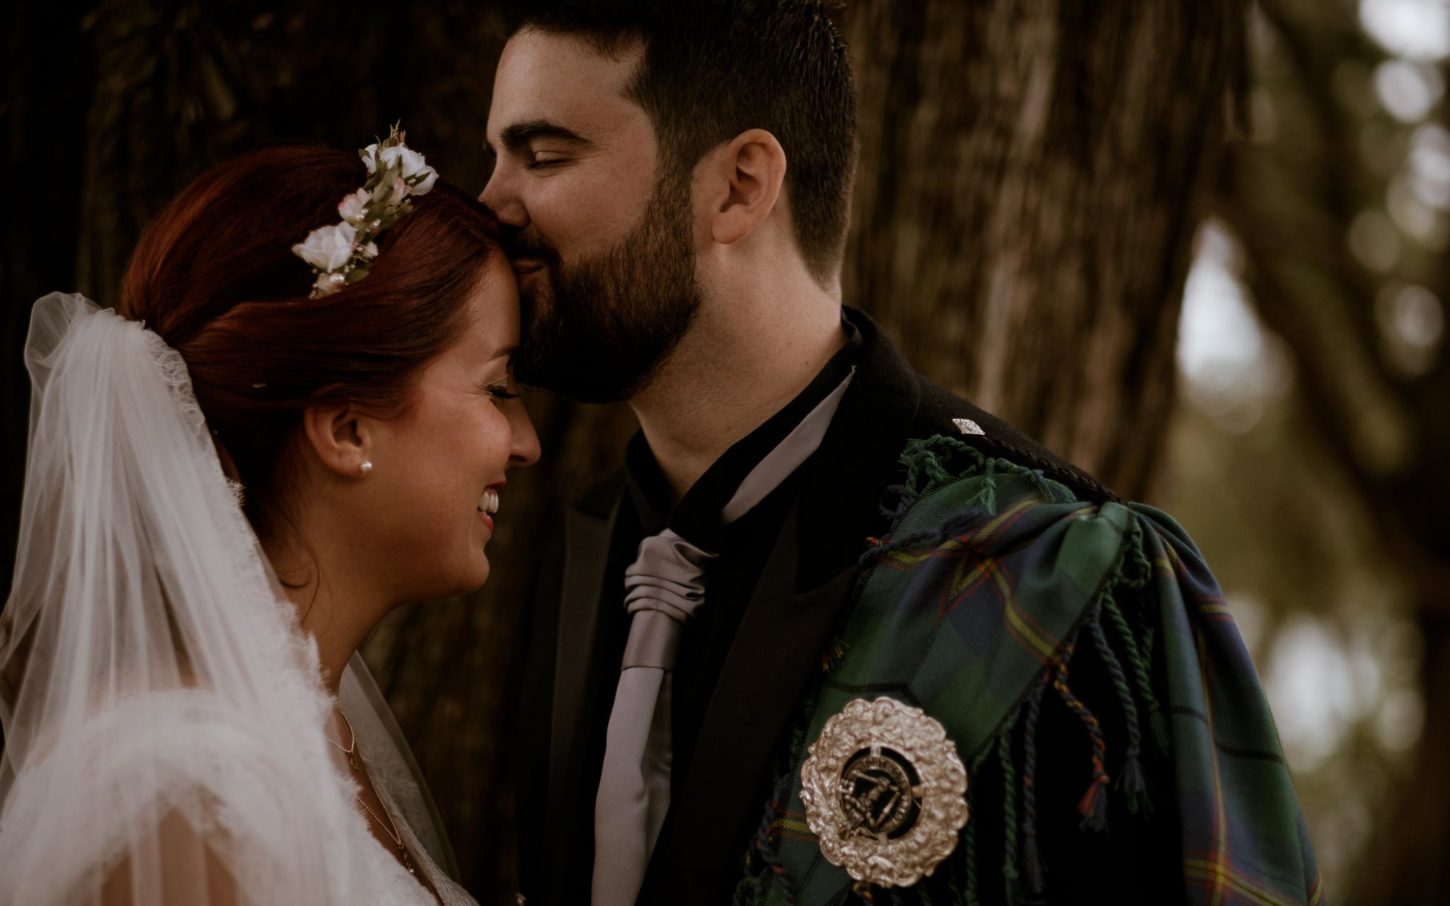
point(1313, 367)
point(1382, 497)
point(1340, 173)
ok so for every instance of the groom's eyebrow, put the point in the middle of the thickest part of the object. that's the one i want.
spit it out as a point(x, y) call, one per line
point(519, 135)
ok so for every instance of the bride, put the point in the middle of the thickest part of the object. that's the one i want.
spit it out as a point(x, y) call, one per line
point(270, 443)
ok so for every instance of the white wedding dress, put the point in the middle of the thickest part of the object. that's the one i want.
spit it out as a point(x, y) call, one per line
point(202, 745)
point(163, 712)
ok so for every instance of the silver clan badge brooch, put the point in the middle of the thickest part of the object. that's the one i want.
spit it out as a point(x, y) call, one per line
point(884, 792)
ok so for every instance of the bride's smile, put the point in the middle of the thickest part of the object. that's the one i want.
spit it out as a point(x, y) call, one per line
point(426, 509)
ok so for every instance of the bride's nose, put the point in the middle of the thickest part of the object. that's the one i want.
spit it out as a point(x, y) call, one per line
point(524, 447)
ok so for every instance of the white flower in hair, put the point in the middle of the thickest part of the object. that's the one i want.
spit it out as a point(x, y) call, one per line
point(391, 191)
point(341, 253)
point(413, 166)
point(369, 157)
point(413, 162)
point(354, 206)
point(327, 248)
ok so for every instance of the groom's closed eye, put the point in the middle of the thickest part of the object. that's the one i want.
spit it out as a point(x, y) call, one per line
point(520, 138)
point(541, 160)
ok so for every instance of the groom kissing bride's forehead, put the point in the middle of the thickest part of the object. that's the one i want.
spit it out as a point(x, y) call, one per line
point(832, 633)
point(639, 178)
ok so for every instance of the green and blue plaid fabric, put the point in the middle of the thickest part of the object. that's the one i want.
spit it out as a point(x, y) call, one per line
point(993, 583)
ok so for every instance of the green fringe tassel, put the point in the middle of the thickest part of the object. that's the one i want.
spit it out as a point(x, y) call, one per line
point(931, 462)
point(986, 498)
point(1009, 814)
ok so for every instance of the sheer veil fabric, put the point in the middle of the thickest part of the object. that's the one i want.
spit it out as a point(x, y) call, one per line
point(163, 713)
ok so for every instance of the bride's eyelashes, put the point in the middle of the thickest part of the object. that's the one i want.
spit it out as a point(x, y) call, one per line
point(499, 390)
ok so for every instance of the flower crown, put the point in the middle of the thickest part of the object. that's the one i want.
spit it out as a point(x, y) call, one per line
point(341, 253)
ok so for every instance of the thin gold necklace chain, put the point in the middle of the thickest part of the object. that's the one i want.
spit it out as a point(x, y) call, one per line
point(389, 826)
point(351, 746)
point(391, 831)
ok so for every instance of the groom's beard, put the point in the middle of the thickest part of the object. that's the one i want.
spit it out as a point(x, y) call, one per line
point(597, 330)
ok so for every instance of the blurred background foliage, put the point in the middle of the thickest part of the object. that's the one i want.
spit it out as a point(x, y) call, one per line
point(1042, 184)
point(1309, 454)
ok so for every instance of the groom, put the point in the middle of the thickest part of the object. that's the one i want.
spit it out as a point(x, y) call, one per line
point(833, 634)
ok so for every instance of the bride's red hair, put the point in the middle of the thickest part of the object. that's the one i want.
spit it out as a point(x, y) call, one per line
point(214, 275)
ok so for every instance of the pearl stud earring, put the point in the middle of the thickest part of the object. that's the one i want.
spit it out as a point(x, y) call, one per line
point(367, 466)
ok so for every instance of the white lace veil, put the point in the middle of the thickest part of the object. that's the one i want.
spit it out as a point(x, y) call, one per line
point(162, 712)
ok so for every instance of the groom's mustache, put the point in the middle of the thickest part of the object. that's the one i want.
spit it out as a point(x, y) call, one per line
point(521, 248)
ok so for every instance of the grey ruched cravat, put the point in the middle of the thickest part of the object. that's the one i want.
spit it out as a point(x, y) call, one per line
point(664, 588)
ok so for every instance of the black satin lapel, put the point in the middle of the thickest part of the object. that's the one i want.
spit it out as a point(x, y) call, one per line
point(776, 655)
point(586, 557)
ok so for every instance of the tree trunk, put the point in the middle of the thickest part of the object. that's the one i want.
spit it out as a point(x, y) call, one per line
point(1027, 201)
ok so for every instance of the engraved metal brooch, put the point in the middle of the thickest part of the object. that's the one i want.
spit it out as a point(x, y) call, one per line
point(885, 792)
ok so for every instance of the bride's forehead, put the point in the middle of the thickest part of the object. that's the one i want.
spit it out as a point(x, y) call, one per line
point(491, 321)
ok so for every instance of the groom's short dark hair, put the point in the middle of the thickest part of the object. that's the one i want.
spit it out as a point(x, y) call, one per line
point(715, 68)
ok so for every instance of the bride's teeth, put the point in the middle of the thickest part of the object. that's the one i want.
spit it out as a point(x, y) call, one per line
point(488, 503)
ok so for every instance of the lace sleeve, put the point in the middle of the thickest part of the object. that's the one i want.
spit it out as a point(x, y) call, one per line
point(191, 871)
point(181, 813)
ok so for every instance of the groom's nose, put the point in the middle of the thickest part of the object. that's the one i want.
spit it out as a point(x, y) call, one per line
point(503, 201)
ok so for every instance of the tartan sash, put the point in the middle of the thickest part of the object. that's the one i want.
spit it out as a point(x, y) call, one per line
point(972, 609)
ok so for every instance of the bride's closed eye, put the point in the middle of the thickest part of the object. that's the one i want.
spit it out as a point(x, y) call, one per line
point(499, 390)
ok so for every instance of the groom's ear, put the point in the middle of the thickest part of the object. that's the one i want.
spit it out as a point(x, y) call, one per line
point(742, 183)
point(339, 437)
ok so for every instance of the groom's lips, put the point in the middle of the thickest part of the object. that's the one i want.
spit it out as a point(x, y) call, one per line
point(523, 266)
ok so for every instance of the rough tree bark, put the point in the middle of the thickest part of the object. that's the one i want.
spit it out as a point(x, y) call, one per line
point(1027, 202)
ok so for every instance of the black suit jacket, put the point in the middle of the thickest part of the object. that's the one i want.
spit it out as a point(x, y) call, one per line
point(572, 646)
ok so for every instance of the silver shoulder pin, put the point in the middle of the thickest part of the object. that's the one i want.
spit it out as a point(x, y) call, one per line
point(967, 426)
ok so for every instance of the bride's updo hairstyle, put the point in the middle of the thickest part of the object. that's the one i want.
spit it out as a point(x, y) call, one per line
point(215, 276)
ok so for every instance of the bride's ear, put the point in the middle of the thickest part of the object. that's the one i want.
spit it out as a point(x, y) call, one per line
point(340, 438)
